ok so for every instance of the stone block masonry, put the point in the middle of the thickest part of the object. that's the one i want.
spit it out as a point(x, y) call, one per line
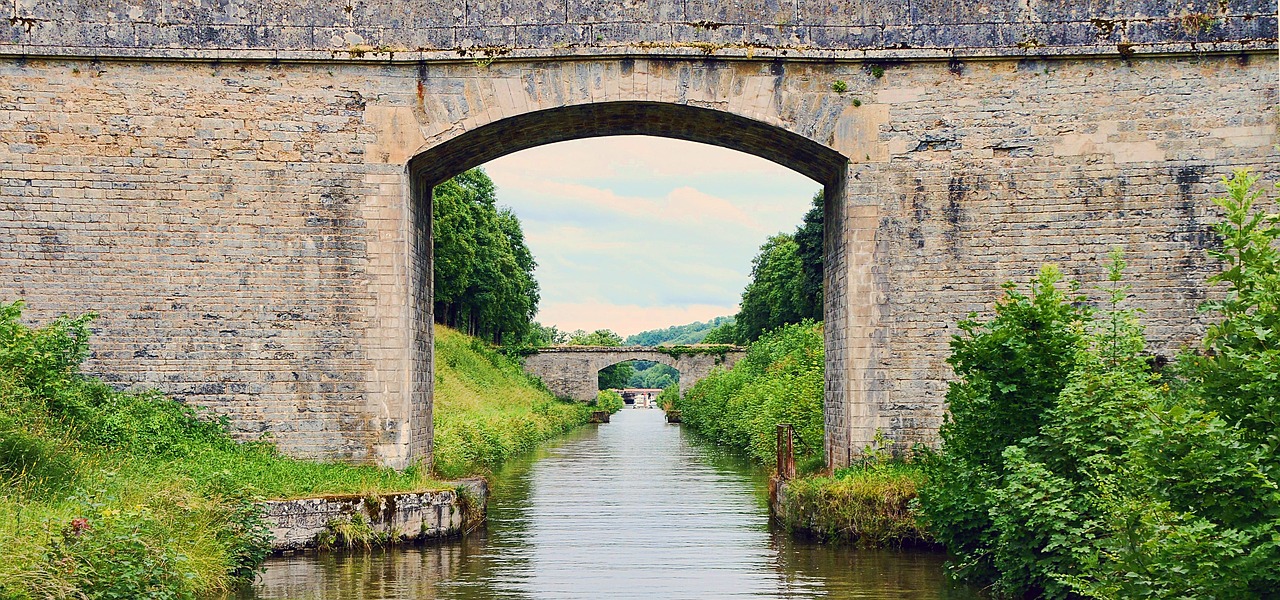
point(242, 190)
point(572, 372)
point(408, 517)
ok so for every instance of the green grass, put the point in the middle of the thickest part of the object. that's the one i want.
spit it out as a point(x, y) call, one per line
point(869, 506)
point(488, 410)
point(110, 494)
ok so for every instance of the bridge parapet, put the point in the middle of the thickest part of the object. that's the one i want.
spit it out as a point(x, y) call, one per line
point(572, 371)
point(387, 30)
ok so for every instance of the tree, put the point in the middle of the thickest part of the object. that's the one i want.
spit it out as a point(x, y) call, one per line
point(615, 376)
point(599, 337)
point(484, 281)
point(774, 297)
point(808, 238)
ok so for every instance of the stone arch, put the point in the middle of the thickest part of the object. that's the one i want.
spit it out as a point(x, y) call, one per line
point(849, 236)
point(572, 372)
point(656, 357)
point(679, 121)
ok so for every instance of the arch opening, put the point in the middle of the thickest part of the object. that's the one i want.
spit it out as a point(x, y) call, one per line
point(478, 146)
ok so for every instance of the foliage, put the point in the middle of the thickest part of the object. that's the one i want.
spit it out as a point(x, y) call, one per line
point(779, 381)
point(773, 297)
point(724, 333)
point(540, 335)
point(700, 350)
point(1126, 485)
point(483, 280)
point(786, 283)
point(692, 333)
point(488, 409)
point(351, 531)
point(615, 376)
point(808, 238)
point(668, 398)
point(869, 505)
point(608, 400)
point(599, 337)
point(110, 494)
point(652, 375)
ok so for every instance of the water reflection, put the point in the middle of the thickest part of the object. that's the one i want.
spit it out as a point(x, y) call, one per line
point(633, 509)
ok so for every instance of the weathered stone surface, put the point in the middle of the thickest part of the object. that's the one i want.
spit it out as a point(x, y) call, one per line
point(571, 372)
point(416, 516)
point(250, 211)
point(386, 29)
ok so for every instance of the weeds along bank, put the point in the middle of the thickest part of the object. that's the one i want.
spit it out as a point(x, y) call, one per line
point(107, 494)
point(488, 409)
point(781, 381)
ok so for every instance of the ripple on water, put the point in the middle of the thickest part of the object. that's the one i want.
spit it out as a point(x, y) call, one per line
point(632, 509)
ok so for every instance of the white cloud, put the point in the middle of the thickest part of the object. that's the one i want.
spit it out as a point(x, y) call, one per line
point(633, 233)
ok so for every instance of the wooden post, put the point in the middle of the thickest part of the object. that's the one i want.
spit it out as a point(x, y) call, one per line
point(786, 453)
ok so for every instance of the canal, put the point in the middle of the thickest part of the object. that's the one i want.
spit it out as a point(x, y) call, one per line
point(632, 509)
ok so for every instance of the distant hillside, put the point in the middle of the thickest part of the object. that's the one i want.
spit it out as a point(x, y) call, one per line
point(677, 334)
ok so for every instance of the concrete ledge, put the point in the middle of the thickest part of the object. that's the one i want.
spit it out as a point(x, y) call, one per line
point(408, 517)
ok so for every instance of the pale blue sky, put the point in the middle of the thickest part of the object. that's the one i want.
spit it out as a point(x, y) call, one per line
point(634, 233)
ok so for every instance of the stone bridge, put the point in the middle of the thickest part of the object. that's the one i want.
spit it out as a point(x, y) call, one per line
point(571, 371)
point(242, 188)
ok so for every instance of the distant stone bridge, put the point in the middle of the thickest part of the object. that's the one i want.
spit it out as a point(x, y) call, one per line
point(572, 371)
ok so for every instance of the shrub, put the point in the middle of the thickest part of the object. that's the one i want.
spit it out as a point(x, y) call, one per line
point(608, 400)
point(1113, 482)
point(779, 381)
point(869, 505)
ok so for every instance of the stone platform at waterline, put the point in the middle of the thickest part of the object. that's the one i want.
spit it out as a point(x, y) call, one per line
point(405, 517)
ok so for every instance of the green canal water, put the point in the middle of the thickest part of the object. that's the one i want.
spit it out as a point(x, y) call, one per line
point(632, 509)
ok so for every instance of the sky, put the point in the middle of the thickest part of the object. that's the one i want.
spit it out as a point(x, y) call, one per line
point(634, 233)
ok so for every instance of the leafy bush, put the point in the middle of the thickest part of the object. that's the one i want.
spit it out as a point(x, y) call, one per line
point(779, 381)
point(608, 400)
point(1114, 482)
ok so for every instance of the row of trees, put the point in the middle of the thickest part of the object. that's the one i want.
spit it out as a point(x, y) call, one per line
point(786, 283)
point(692, 333)
point(1071, 467)
point(484, 281)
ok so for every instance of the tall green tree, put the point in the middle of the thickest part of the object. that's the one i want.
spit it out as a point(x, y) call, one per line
point(786, 283)
point(774, 297)
point(484, 282)
point(808, 238)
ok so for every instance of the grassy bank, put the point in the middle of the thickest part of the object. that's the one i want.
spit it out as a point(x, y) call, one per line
point(108, 494)
point(781, 381)
point(870, 506)
point(487, 409)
